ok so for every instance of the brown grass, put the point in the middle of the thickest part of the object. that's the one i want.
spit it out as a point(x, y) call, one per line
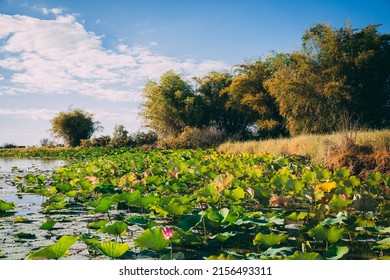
point(321, 149)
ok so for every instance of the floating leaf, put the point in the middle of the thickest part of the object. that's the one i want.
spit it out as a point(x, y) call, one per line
point(48, 225)
point(56, 206)
point(222, 237)
point(117, 228)
point(103, 205)
point(305, 256)
point(175, 256)
point(336, 252)
point(277, 252)
point(340, 218)
point(98, 224)
point(322, 233)
point(20, 219)
point(112, 249)
point(55, 251)
point(23, 235)
point(140, 221)
point(296, 217)
point(5, 206)
point(269, 240)
point(152, 239)
point(190, 222)
point(384, 244)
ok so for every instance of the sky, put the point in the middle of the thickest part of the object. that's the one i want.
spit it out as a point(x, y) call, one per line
point(58, 55)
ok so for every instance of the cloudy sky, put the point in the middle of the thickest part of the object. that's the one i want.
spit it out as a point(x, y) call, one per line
point(97, 55)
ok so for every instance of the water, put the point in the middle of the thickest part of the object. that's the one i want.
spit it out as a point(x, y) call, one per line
point(11, 168)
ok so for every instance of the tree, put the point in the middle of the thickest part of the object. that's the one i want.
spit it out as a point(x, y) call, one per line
point(120, 136)
point(166, 106)
point(74, 125)
point(336, 72)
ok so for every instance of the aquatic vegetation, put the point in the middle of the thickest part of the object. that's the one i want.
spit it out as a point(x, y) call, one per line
point(201, 204)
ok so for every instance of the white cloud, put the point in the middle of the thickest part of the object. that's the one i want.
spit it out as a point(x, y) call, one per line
point(35, 114)
point(59, 56)
point(54, 11)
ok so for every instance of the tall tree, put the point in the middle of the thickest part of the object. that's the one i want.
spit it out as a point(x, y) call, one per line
point(74, 125)
point(167, 101)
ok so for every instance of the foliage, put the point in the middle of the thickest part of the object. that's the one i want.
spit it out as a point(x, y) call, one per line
point(74, 125)
point(55, 251)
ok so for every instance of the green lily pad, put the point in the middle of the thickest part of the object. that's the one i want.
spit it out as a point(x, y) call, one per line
point(340, 218)
point(336, 252)
point(48, 225)
point(56, 206)
point(304, 256)
point(277, 252)
point(384, 244)
point(322, 233)
point(20, 220)
point(296, 217)
point(175, 256)
point(112, 249)
point(269, 240)
point(190, 222)
point(5, 206)
point(55, 251)
point(117, 228)
point(152, 239)
point(98, 224)
point(222, 237)
point(23, 235)
point(102, 205)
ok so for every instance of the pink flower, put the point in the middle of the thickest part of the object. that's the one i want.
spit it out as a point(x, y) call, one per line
point(344, 196)
point(167, 232)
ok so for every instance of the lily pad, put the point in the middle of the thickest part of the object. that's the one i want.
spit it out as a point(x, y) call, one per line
point(304, 256)
point(5, 206)
point(321, 233)
point(152, 239)
point(23, 235)
point(48, 225)
point(112, 249)
point(55, 251)
point(336, 252)
point(269, 240)
point(117, 228)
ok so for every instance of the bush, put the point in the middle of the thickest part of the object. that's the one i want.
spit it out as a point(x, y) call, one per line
point(192, 137)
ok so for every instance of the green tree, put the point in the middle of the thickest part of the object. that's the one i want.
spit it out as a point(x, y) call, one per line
point(167, 102)
point(74, 125)
point(120, 136)
point(336, 72)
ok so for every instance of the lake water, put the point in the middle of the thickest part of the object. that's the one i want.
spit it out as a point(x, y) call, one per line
point(11, 168)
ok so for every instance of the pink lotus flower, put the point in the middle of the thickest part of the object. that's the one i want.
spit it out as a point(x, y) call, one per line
point(344, 196)
point(167, 232)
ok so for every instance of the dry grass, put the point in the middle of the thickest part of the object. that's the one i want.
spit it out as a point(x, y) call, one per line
point(316, 147)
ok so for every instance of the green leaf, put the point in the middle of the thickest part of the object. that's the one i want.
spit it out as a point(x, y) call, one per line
point(236, 194)
point(296, 217)
point(384, 244)
point(337, 203)
point(98, 224)
point(340, 218)
point(151, 239)
point(112, 249)
point(269, 240)
point(117, 228)
point(5, 206)
point(20, 219)
point(304, 256)
point(276, 252)
point(55, 251)
point(56, 206)
point(23, 235)
point(103, 205)
point(336, 252)
point(322, 233)
point(222, 237)
point(140, 221)
point(190, 222)
point(48, 225)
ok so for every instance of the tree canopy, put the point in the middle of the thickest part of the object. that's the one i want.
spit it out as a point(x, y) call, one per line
point(337, 72)
point(74, 125)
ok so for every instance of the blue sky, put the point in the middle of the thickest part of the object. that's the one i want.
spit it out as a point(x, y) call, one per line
point(97, 55)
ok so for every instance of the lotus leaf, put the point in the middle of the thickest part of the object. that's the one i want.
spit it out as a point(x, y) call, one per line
point(112, 249)
point(48, 225)
point(336, 252)
point(152, 239)
point(55, 251)
point(5, 206)
point(305, 256)
point(322, 233)
point(117, 228)
point(269, 240)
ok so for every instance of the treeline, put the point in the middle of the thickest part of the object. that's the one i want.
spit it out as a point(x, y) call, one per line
point(337, 72)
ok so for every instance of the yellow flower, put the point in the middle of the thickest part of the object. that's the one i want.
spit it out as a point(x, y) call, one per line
point(326, 187)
